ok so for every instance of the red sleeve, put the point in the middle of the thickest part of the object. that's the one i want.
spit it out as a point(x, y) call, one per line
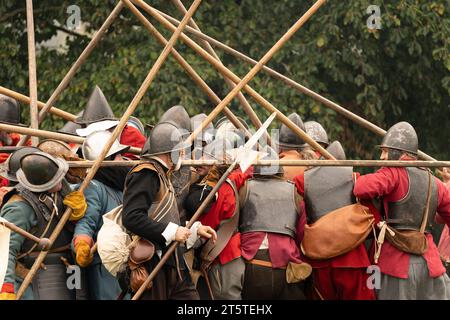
point(222, 208)
point(378, 184)
point(299, 181)
point(239, 178)
point(132, 137)
point(443, 208)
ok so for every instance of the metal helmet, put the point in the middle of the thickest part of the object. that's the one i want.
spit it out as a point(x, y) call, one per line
point(218, 150)
point(225, 121)
point(55, 148)
point(337, 151)
point(180, 117)
point(288, 138)
point(165, 137)
point(317, 132)
point(71, 127)
point(40, 172)
point(136, 123)
point(271, 170)
point(12, 164)
point(95, 143)
point(207, 135)
point(401, 136)
point(9, 110)
point(97, 109)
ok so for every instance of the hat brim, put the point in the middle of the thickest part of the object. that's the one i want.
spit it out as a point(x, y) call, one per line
point(97, 126)
point(80, 120)
point(399, 149)
point(63, 167)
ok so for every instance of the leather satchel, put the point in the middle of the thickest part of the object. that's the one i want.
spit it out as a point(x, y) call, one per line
point(338, 232)
point(413, 241)
point(139, 254)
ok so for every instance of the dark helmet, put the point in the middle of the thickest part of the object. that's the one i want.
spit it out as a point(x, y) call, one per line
point(97, 109)
point(71, 127)
point(207, 135)
point(40, 172)
point(9, 110)
point(336, 150)
point(13, 163)
point(271, 169)
point(288, 138)
point(317, 132)
point(402, 137)
point(165, 137)
point(136, 123)
point(180, 117)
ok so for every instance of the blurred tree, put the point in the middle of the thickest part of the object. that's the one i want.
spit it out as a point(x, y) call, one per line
point(400, 72)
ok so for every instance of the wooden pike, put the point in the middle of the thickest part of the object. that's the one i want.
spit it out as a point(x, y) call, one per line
point(187, 67)
point(50, 135)
point(22, 98)
point(263, 102)
point(131, 108)
point(44, 243)
point(81, 59)
point(244, 103)
point(34, 113)
point(291, 83)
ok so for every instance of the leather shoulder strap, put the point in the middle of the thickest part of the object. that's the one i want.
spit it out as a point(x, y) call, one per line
point(156, 168)
point(225, 231)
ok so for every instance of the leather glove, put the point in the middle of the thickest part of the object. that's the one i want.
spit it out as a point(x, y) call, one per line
point(7, 296)
point(83, 253)
point(76, 201)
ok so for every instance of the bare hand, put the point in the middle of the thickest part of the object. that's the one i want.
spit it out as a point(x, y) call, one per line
point(182, 234)
point(445, 174)
point(207, 232)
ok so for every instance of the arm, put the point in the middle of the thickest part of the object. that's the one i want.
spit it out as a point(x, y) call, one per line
point(377, 184)
point(443, 208)
point(299, 181)
point(23, 216)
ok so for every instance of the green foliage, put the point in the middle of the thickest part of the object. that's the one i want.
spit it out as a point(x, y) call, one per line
point(400, 72)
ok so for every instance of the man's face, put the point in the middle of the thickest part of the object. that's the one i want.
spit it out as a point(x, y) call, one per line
point(202, 170)
point(384, 154)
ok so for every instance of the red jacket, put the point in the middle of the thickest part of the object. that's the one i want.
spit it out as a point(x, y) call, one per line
point(132, 137)
point(392, 184)
point(223, 208)
point(357, 258)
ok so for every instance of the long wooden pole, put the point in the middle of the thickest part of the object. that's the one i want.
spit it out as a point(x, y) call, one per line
point(244, 103)
point(131, 108)
point(291, 83)
point(263, 102)
point(44, 242)
point(314, 163)
point(187, 67)
point(22, 98)
point(51, 135)
point(81, 59)
point(34, 113)
point(123, 121)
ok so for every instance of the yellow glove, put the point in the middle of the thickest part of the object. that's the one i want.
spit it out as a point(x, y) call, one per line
point(83, 253)
point(76, 201)
point(7, 296)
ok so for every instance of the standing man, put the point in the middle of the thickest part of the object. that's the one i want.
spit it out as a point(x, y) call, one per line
point(150, 211)
point(405, 193)
point(36, 205)
point(271, 226)
point(324, 190)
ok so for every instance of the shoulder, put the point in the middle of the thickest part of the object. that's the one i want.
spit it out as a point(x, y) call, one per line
point(15, 210)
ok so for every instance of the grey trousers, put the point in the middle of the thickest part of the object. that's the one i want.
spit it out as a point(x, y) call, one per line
point(227, 280)
point(418, 286)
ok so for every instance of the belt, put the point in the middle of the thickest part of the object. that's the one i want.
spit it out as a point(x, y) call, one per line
point(262, 263)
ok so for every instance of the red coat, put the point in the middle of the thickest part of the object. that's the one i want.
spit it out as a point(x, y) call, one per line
point(222, 209)
point(357, 258)
point(392, 184)
point(132, 137)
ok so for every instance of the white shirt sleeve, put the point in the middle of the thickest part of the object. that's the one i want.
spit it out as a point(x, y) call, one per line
point(193, 237)
point(169, 232)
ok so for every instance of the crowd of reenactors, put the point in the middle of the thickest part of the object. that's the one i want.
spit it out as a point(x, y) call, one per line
point(250, 240)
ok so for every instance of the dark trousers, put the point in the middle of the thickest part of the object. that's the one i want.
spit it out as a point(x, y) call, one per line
point(264, 283)
point(168, 285)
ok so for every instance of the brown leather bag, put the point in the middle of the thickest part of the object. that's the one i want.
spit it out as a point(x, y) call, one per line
point(413, 241)
point(338, 232)
point(141, 253)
